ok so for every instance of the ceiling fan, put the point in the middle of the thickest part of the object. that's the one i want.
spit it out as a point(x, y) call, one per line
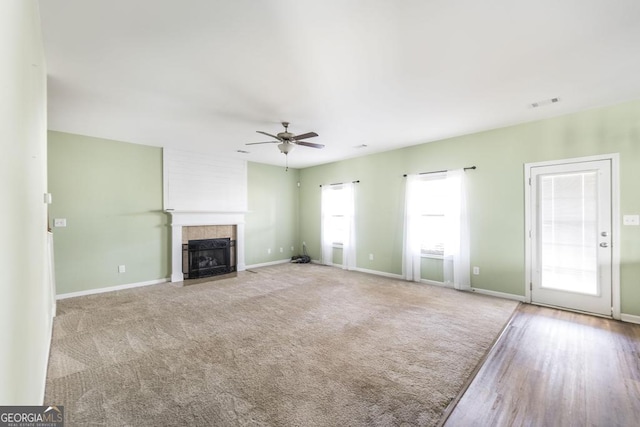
point(287, 141)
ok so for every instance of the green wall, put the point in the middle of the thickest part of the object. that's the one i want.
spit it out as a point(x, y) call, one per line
point(431, 269)
point(272, 221)
point(110, 193)
point(496, 188)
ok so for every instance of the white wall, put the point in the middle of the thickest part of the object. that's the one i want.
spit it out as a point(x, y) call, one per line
point(25, 305)
point(204, 182)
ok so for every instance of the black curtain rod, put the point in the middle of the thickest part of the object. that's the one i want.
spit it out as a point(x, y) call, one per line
point(340, 183)
point(427, 173)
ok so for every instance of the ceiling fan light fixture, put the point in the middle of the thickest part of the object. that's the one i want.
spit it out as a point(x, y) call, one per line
point(285, 147)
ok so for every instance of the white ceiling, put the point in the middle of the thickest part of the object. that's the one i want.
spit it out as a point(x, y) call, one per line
point(204, 75)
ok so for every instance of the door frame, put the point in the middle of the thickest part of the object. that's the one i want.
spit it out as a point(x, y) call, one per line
point(615, 223)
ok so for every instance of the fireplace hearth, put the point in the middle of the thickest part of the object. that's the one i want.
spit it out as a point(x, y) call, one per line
point(208, 257)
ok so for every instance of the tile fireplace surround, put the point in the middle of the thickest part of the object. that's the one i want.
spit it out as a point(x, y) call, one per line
point(182, 219)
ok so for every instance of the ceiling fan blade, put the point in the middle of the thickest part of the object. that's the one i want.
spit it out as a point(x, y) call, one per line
point(306, 135)
point(309, 144)
point(266, 142)
point(268, 134)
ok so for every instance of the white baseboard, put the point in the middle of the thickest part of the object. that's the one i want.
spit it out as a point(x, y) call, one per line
point(362, 270)
point(379, 273)
point(46, 361)
point(112, 288)
point(267, 264)
point(631, 318)
point(436, 283)
point(504, 295)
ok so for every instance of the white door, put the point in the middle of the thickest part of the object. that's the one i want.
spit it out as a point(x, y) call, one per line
point(571, 236)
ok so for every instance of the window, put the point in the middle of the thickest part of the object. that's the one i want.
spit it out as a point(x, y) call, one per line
point(431, 205)
point(436, 225)
point(335, 201)
point(338, 228)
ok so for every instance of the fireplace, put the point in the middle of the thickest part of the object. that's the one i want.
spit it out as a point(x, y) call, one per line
point(208, 257)
point(186, 226)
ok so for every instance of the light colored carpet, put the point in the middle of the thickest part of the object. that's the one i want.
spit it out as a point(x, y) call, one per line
point(289, 345)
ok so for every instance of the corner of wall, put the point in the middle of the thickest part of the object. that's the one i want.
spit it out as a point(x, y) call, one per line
point(25, 326)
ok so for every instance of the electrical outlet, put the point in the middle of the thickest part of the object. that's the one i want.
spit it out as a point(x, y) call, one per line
point(631, 220)
point(59, 222)
point(370, 257)
point(476, 271)
point(291, 248)
point(281, 250)
point(121, 269)
point(269, 251)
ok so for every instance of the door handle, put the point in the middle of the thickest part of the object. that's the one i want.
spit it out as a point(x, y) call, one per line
point(604, 245)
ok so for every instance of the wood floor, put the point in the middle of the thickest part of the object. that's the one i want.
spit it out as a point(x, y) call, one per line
point(556, 368)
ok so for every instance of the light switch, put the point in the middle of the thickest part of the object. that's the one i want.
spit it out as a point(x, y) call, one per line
point(60, 222)
point(631, 220)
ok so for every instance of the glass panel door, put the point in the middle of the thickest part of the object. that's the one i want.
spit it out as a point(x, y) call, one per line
point(571, 236)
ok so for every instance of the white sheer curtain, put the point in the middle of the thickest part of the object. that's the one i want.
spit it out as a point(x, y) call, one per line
point(456, 248)
point(349, 241)
point(412, 229)
point(326, 235)
point(338, 223)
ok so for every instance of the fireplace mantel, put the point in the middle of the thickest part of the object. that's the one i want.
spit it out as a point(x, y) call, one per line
point(181, 219)
point(205, 217)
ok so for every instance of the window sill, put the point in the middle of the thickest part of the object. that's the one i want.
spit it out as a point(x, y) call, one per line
point(432, 256)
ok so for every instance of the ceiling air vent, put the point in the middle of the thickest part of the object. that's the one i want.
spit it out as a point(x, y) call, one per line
point(544, 102)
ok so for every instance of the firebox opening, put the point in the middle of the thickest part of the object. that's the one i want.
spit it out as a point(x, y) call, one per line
point(207, 257)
